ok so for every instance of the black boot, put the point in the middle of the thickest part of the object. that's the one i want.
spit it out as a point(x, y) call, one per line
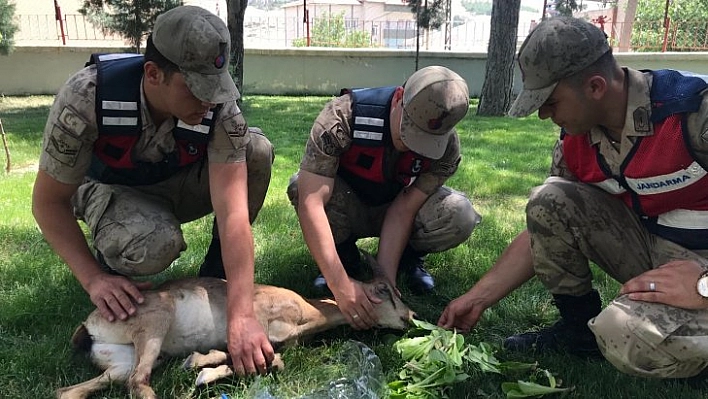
point(350, 257)
point(571, 333)
point(213, 265)
point(411, 264)
point(104, 265)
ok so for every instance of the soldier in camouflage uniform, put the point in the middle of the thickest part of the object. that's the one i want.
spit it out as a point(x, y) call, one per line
point(628, 192)
point(374, 166)
point(137, 146)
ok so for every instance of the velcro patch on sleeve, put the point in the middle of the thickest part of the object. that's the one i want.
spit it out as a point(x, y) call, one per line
point(235, 126)
point(72, 121)
point(63, 146)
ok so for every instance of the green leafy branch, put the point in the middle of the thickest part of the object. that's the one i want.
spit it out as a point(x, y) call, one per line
point(438, 360)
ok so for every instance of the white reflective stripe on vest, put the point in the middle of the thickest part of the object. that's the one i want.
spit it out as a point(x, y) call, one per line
point(116, 56)
point(612, 186)
point(669, 182)
point(363, 134)
point(119, 121)
point(684, 219)
point(195, 128)
point(365, 120)
point(119, 105)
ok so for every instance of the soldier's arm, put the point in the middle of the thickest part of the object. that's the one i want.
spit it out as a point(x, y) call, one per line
point(396, 229)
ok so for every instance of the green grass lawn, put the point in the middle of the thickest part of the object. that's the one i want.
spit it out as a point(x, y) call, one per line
point(41, 303)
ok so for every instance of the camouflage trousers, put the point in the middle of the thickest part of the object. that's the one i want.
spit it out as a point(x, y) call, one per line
point(137, 228)
point(573, 223)
point(444, 221)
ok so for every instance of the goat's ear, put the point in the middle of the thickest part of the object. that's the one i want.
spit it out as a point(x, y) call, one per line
point(382, 290)
point(371, 261)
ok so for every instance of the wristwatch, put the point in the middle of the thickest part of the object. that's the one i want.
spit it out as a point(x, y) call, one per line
point(702, 284)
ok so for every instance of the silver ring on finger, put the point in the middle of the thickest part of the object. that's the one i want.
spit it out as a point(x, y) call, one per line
point(652, 286)
point(355, 316)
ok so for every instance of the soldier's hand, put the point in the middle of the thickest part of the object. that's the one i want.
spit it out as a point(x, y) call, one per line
point(463, 313)
point(673, 284)
point(248, 345)
point(355, 304)
point(116, 296)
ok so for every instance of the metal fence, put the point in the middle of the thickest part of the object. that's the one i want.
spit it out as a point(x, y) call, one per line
point(273, 32)
point(72, 29)
point(280, 32)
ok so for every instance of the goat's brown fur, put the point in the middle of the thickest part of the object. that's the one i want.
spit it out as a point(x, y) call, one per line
point(189, 315)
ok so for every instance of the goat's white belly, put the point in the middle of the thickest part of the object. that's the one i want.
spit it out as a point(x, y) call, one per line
point(199, 325)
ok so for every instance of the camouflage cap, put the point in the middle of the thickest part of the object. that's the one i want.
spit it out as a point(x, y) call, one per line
point(199, 43)
point(435, 99)
point(557, 48)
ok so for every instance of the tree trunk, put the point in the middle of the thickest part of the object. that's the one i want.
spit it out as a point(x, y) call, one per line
point(496, 97)
point(236, 9)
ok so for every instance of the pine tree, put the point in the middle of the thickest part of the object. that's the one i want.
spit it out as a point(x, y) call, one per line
point(132, 19)
point(8, 27)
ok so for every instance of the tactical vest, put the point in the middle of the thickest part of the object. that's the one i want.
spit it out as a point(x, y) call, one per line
point(118, 117)
point(369, 166)
point(671, 195)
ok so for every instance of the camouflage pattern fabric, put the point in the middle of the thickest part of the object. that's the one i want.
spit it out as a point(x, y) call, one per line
point(137, 229)
point(331, 136)
point(444, 221)
point(572, 223)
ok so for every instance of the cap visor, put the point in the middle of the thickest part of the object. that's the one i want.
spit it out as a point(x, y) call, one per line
point(217, 89)
point(529, 101)
point(428, 145)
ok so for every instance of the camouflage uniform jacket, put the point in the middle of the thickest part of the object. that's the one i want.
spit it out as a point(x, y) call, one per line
point(71, 132)
point(331, 137)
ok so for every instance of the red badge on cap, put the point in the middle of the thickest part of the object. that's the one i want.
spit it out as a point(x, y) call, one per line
point(436, 123)
point(220, 61)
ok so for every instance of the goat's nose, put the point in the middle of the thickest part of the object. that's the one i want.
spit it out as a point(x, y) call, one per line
point(409, 319)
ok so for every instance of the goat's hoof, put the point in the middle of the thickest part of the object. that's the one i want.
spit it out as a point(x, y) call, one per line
point(64, 393)
point(277, 363)
point(188, 362)
point(209, 375)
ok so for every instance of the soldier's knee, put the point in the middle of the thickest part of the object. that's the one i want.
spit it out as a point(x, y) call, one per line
point(625, 342)
point(260, 149)
point(292, 190)
point(465, 218)
point(548, 200)
point(554, 189)
point(150, 254)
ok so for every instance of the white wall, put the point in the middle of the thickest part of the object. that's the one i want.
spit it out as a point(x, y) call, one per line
point(42, 70)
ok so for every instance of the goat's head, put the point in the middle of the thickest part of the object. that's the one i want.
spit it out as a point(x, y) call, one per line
point(391, 312)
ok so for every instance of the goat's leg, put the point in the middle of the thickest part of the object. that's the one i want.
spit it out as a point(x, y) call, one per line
point(148, 343)
point(139, 381)
point(86, 388)
point(213, 358)
point(209, 375)
point(119, 363)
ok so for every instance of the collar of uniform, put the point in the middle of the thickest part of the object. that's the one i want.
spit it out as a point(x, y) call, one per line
point(148, 123)
point(636, 123)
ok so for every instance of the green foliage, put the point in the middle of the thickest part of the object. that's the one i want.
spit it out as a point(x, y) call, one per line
point(132, 19)
point(432, 12)
point(41, 303)
point(331, 31)
point(441, 358)
point(478, 7)
point(8, 27)
point(688, 26)
point(567, 7)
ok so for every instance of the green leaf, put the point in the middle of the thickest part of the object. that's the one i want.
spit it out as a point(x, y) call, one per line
point(525, 389)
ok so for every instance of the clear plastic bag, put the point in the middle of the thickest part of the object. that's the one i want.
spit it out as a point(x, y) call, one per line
point(363, 378)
